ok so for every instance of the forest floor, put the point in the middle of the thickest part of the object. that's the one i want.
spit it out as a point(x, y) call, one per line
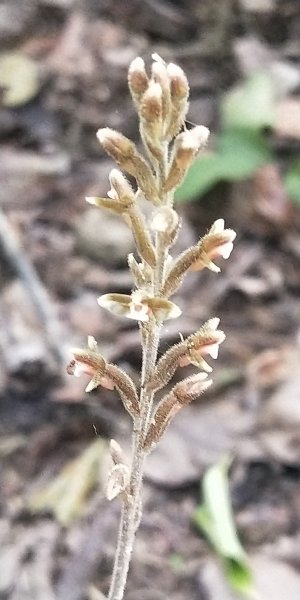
point(57, 530)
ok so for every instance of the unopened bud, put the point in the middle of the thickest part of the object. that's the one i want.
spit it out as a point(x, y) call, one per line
point(186, 147)
point(160, 75)
point(179, 99)
point(151, 108)
point(126, 388)
point(121, 186)
point(115, 144)
point(188, 144)
point(151, 116)
point(137, 79)
point(191, 388)
point(182, 394)
point(178, 82)
point(141, 235)
point(124, 152)
point(116, 452)
point(118, 481)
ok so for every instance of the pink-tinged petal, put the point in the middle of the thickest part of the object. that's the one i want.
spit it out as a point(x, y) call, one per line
point(107, 383)
point(225, 250)
point(81, 368)
point(212, 350)
point(203, 262)
point(104, 381)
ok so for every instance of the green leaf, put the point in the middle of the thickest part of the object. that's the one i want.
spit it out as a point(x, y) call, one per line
point(251, 104)
point(202, 175)
point(215, 519)
point(292, 182)
point(240, 153)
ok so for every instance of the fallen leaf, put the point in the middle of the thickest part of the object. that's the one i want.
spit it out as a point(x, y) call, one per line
point(18, 78)
point(66, 495)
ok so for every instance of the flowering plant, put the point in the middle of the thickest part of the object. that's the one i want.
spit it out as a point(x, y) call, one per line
point(161, 101)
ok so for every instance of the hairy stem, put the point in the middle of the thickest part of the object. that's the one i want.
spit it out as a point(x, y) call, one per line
point(131, 510)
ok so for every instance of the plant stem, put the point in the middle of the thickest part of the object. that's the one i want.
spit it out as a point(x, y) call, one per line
point(131, 509)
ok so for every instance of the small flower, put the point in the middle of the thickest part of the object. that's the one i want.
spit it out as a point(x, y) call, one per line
point(205, 342)
point(139, 306)
point(217, 242)
point(89, 362)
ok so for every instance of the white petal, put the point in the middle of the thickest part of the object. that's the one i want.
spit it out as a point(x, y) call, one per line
point(214, 322)
point(92, 344)
point(172, 311)
point(112, 194)
point(139, 312)
point(78, 370)
point(217, 226)
point(117, 308)
point(225, 250)
point(213, 350)
point(91, 386)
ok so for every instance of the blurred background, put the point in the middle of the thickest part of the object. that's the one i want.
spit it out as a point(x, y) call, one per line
point(63, 72)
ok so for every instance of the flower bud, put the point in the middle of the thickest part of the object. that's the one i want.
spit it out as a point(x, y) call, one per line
point(151, 108)
point(125, 387)
point(160, 75)
point(179, 99)
point(141, 235)
point(178, 82)
point(186, 147)
point(122, 187)
point(118, 481)
point(182, 394)
point(137, 79)
point(115, 144)
point(124, 152)
point(116, 452)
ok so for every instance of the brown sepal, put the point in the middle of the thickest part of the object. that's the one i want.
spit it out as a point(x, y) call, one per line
point(126, 389)
point(182, 394)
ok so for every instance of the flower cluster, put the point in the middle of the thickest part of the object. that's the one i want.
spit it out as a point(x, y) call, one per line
point(161, 101)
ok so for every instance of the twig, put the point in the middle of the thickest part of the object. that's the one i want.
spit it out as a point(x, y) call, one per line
point(37, 293)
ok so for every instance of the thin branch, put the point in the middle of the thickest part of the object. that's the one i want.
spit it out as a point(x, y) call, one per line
point(36, 291)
